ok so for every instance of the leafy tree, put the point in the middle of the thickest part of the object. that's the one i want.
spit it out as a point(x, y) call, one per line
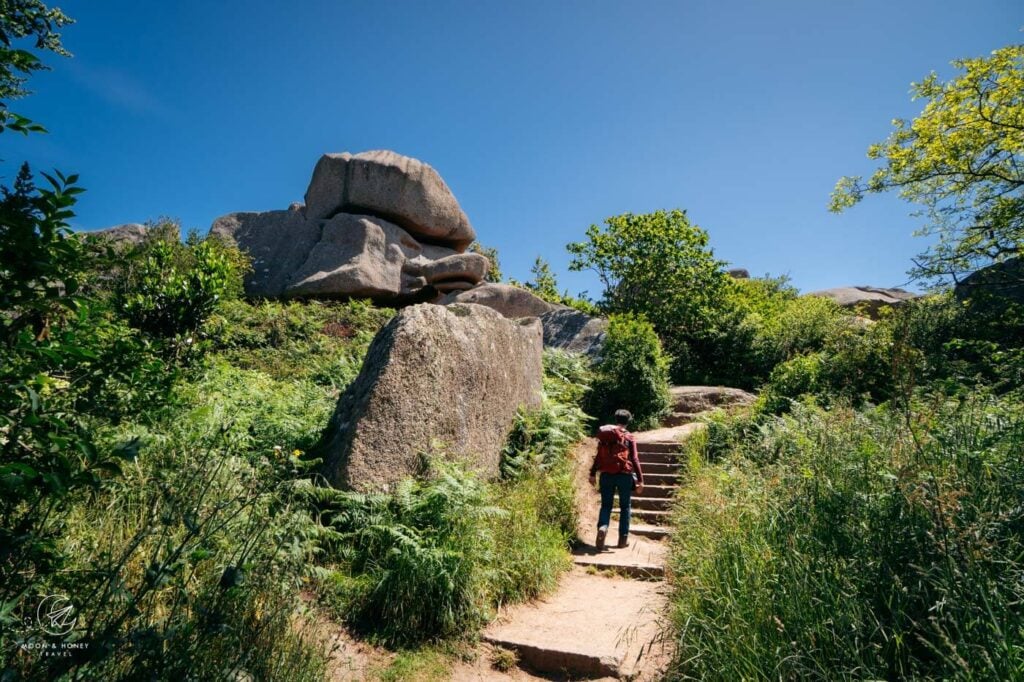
point(544, 284)
point(962, 161)
point(25, 19)
point(491, 254)
point(659, 265)
point(632, 373)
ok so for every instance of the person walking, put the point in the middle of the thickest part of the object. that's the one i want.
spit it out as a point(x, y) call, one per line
point(619, 465)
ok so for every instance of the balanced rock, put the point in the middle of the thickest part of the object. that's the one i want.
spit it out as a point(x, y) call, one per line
point(869, 299)
point(376, 225)
point(404, 190)
point(508, 300)
point(455, 374)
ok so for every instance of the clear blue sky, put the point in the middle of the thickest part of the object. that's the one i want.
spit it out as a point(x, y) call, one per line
point(543, 117)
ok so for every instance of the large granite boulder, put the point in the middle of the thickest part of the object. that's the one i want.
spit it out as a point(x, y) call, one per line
point(508, 300)
point(1003, 280)
point(574, 331)
point(870, 300)
point(402, 189)
point(454, 374)
point(377, 225)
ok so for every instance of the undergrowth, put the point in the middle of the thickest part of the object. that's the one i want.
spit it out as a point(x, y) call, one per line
point(842, 544)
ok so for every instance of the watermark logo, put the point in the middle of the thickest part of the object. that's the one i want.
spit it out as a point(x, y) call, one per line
point(56, 615)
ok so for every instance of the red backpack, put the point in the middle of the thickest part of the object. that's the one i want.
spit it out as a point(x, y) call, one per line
point(613, 450)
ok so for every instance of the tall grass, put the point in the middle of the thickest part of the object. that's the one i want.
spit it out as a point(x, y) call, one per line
point(856, 545)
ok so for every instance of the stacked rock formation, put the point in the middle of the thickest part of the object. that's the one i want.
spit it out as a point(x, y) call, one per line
point(452, 374)
point(375, 225)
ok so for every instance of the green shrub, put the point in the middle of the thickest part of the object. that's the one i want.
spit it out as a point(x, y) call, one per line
point(168, 289)
point(871, 545)
point(322, 342)
point(415, 564)
point(259, 411)
point(632, 373)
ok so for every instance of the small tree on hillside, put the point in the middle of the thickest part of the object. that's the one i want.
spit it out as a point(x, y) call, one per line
point(544, 284)
point(659, 265)
point(632, 374)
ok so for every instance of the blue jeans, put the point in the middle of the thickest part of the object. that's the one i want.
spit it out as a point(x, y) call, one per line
point(610, 483)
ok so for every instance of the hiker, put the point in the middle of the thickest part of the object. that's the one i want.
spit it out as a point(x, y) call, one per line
point(619, 464)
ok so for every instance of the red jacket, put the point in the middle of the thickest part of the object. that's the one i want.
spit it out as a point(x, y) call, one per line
point(634, 458)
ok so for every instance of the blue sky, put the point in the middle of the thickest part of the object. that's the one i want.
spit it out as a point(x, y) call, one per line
point(543, 117)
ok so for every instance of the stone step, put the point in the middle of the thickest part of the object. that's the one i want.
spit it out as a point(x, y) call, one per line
point(658, 479)
point(655, 516)
point(591, 626)
point(661, 468)
point(651, 489)
point(659, 447)
point(658, 458)
point(638, 570)
point(650, 503)
point(680, 418)
point(648, 531)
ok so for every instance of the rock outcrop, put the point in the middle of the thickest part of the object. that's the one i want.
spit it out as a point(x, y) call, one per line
point(564, 327)
point(574, 331)
point(690, 401)
point(454, 374)
point(508, 300)
point(377, 225)
point(1003, 280)
point(871, 300)
point(121, 236)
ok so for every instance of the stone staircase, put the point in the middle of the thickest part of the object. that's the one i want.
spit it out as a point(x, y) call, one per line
point(651, 509)
point(606, 618)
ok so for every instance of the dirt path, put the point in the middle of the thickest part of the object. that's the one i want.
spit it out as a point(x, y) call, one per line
point(607, 616)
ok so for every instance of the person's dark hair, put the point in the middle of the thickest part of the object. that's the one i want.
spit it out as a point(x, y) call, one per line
point(623, 417)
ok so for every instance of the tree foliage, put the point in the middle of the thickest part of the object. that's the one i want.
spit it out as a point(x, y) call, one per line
point(658, 265)
point(494, 274)
point(962, 161)
point(20, 20)
point(631, 374)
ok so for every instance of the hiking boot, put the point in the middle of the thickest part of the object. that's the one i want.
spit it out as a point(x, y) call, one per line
point(623, 541)
point(601, 533)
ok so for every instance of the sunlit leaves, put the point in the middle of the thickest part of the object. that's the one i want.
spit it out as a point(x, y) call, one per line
point(962, 161)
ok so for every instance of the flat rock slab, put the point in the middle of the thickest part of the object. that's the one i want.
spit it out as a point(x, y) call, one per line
point(674, 434)
point(592, 626)
point(644, 558)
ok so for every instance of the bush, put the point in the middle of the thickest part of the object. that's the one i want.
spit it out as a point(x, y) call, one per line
point(841, 544)
point(632, 373)
point(415, 564)
point(322, 342)
point(168, 289)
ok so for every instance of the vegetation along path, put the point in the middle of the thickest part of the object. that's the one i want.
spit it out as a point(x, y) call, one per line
point(606, 617)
